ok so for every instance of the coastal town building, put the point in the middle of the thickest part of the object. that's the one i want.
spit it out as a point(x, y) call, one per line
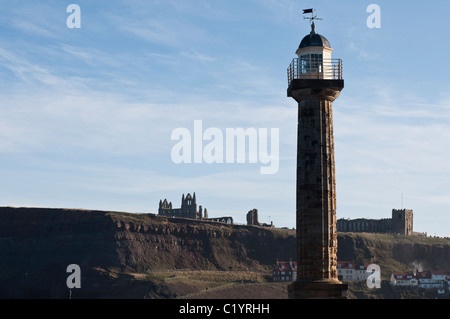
point(407, 279)
point(401, 223)
point(349, 271)
point(427, 280)
point(285, 271)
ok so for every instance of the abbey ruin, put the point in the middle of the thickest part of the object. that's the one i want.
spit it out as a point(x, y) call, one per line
point(189, 210)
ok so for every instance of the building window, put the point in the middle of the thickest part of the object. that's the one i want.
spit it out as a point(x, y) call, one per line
point(311, 63)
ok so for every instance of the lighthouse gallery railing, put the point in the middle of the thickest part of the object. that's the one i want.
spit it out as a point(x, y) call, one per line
point(330, 69)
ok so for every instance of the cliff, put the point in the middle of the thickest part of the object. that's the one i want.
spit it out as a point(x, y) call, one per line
point(123, 255)
point(37, 245)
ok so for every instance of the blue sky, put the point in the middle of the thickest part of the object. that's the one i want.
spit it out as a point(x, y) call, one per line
point(86, 115)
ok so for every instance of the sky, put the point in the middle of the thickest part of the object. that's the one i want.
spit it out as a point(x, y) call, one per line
point(87, 114)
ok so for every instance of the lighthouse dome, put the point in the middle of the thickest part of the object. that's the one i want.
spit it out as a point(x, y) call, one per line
point(314, 40)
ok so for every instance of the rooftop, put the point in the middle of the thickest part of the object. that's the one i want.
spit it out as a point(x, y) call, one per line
point(314, 40)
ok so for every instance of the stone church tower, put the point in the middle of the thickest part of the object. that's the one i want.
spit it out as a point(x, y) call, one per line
point(402, 221)
point(315, 81)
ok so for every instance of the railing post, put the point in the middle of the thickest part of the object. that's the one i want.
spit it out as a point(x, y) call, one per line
point(332, 68)
point(289, 82)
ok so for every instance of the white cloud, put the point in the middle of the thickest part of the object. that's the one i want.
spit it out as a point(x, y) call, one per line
point(33, 28)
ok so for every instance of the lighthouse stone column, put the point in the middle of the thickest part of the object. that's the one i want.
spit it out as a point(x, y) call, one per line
point(315, 88)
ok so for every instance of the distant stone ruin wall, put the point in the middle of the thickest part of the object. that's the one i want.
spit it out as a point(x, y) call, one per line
point(252, 219)
point(365, 225)
point(226, 220)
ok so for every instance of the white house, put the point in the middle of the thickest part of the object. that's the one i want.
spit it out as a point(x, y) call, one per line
point(429, 279)
point(348, 271)
point(404, 280)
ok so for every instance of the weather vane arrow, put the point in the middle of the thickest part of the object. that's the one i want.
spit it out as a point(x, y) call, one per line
point(312, 18)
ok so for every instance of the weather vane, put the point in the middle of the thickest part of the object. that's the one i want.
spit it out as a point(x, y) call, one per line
point(312, 18)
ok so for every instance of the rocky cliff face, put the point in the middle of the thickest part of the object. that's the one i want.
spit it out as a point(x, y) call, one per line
point(37, 245)
point(154, 242)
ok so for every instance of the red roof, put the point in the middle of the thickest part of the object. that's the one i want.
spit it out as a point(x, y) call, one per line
point(404, 276)
point(345, 265)
point(424, 274)
point(427, 274)
point(287, 265)
point(350, 265)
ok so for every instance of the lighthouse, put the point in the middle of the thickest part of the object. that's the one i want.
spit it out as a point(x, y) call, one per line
point(315, 81)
